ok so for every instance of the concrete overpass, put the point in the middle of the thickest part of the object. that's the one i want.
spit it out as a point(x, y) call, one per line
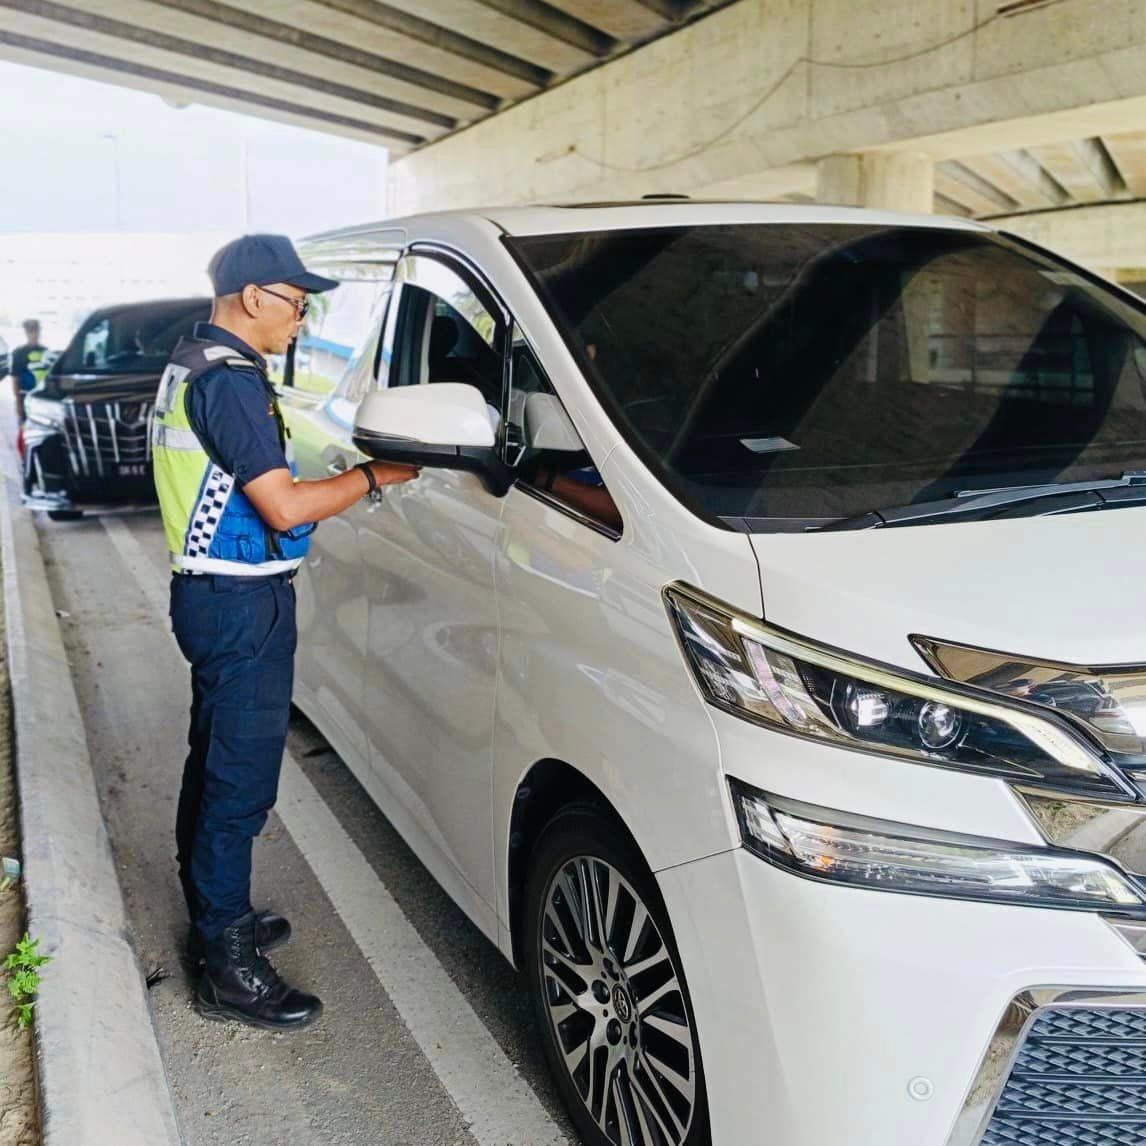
point(1029, 111)
point(401, 74)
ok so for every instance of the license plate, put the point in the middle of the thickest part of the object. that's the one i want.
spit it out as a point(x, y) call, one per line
point(131, 469)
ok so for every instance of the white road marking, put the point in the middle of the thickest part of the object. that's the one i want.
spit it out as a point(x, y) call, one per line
point(498, 1104)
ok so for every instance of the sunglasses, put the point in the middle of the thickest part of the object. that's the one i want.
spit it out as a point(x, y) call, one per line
point(301, 305)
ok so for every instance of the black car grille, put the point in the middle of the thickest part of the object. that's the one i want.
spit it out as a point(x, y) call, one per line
point(108, 438)
point(1080, 1077)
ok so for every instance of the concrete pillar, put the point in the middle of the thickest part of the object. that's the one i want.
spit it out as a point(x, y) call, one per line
point(839, 180)
point(891, 180)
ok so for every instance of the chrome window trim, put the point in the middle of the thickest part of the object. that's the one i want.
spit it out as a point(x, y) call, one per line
point(562, 507)
point(438, 278)
point(1002, 1050)
point(463, 265)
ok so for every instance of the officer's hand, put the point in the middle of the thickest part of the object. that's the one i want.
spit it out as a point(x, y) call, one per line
point(393, 473)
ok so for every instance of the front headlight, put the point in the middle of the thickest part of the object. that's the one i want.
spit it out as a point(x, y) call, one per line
point(1109, 702)
point(790, 684)
point(43, 411)
point(831, 845)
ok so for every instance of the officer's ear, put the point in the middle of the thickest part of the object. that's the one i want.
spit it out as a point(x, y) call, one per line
point(251, 298)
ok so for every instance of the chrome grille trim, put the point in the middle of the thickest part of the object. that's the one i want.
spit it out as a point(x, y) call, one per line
point(99, 435)
point(95, 441)
point(111, 427)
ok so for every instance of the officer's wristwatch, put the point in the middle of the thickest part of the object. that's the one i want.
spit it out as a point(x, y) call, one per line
point(370, 478)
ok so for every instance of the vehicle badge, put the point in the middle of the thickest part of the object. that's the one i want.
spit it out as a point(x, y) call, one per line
point(132, 414)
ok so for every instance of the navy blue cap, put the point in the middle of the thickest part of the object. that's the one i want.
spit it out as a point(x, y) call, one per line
point(262, 259)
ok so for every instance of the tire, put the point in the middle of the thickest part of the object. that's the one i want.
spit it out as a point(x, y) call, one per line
point(65, 514)
point(586, 992)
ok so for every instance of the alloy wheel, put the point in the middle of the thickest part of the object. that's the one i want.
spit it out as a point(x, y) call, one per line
point(616, 1006)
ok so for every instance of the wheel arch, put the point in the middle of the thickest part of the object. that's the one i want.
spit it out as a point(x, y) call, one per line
point(548, 786)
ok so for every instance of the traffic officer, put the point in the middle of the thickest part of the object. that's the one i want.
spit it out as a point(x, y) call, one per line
point(27, 364)
point(237, 523)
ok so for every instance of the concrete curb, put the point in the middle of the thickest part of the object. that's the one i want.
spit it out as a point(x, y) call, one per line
point(101, 1078)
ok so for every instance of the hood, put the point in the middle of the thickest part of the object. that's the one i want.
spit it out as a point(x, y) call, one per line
point(1065, 588)
point(100, 387)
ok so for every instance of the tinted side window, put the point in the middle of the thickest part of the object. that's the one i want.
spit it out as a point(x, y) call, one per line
point(359, 375)
point(93, 348)
point(445, 333)
point(336, 326)
point(543, 445)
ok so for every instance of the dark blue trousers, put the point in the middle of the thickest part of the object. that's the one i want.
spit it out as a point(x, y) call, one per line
point(239, 636)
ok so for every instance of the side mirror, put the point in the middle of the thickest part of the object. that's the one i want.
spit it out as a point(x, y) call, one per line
point(444, 425)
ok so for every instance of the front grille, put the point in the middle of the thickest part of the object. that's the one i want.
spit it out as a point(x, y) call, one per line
point(108, 438)
point(1079, 1077)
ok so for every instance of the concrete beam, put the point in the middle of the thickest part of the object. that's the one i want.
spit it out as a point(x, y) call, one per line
point(1129, 154)
point(174, 86)
point(945, 206)
point(501, 25)
point(762, 84)
point(119, 30)
point(1082, 167)
point(229, 18)
point(968, 195)
point(1107, 237)
point(415, 28)
point(558, 24)
point(627, 20)
point(1020, 176)
point(355, 44)
point(671, 9)
point(984, 192)
point(206, 70)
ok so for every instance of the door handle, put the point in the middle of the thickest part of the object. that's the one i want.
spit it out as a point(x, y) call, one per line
point(338, 466)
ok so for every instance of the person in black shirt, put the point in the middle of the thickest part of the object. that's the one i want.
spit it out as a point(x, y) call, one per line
point(27, 364)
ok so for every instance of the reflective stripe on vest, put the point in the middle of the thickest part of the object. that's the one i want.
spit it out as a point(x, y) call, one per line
point(174, 439)
point(209, 524)
point(184, 564)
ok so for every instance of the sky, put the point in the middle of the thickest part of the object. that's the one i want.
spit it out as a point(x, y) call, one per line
point(114, 195)
point(87, 156)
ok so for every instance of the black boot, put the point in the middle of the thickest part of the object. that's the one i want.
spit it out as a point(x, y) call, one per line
point(240, 984)
point(271, 930)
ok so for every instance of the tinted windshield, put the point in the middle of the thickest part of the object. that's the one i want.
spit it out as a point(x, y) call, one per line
point(775, 375)
point(131, 340)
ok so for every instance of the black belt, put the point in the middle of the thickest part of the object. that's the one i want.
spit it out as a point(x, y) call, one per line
point(230, 578)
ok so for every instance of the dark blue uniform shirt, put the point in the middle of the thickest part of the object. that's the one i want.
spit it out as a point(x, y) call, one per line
point(232, 411)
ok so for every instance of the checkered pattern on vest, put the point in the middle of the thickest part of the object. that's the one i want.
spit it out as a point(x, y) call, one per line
point(204, 522)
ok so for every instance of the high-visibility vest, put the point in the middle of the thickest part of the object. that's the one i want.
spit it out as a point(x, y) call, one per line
point(210, 525)
point(36, 370)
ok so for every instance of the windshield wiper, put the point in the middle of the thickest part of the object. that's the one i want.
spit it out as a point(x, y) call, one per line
point(983, 502)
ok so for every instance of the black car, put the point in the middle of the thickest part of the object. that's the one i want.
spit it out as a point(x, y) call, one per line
point(86, 438)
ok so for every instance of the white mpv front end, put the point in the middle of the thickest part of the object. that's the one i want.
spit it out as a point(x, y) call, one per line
point(815, 669)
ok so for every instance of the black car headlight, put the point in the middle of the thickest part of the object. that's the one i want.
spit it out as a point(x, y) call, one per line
point(796, 686)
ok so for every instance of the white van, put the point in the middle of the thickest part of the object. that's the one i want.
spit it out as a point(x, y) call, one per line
point(760, 658)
